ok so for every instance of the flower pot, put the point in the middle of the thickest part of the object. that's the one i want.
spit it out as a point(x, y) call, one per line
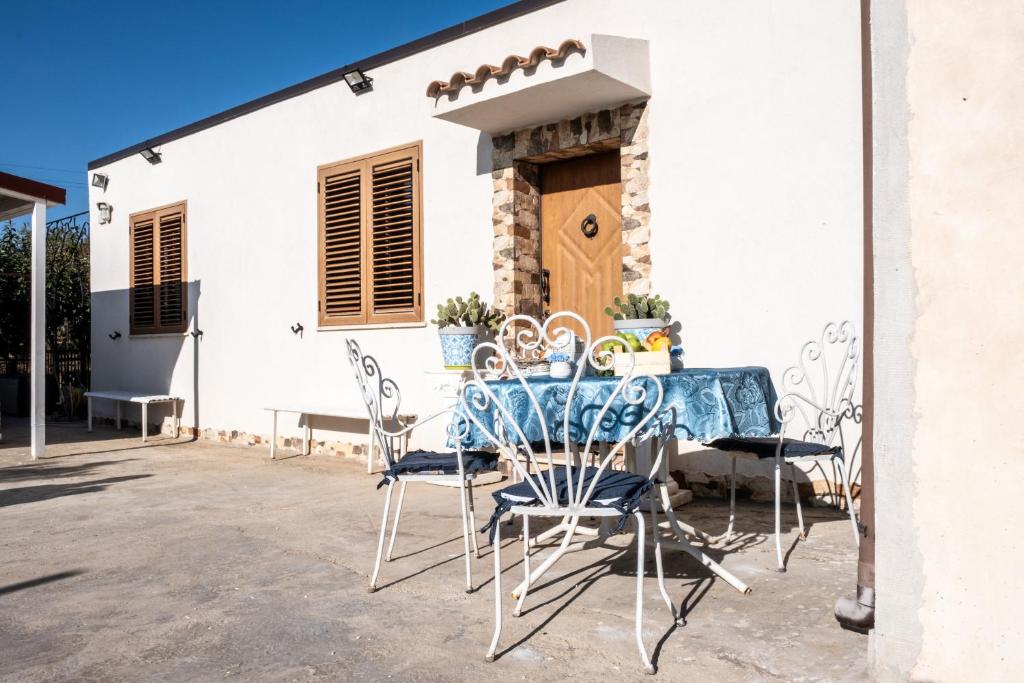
point(641, 327)
point(457, 344)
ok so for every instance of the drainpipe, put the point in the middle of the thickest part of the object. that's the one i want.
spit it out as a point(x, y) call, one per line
point(858, 614)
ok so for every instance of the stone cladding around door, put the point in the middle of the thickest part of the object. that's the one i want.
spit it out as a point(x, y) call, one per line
point(516, 158)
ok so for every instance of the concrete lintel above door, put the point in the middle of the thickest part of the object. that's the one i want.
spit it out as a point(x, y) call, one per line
point(608, 71)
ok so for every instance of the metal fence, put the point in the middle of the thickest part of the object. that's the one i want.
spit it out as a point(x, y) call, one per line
point(71, 365)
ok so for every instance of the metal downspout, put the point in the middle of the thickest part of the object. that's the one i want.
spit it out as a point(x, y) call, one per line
point(858, 614)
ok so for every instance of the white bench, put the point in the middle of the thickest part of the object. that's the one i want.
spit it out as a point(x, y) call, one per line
point(305, 412)
point(119, 397)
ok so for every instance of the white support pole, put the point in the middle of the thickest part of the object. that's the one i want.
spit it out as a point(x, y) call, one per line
point(38, 318)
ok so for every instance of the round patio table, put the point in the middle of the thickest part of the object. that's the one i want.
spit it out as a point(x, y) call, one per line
point(709, 403)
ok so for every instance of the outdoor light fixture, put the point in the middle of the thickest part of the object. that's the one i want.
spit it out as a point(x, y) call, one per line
point(100, 180)
point(358, 81)
point(151, 156)
point(105, 211)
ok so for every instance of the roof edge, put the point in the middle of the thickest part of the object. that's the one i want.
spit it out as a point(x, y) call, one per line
point(33, 188)
point(447, 35)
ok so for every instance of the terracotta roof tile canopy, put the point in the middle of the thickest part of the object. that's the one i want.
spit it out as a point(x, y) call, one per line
point(17, 195)
point(459, 79)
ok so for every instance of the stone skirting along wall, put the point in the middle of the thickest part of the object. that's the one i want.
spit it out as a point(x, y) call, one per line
point(758, 488)
point(237, 438)
point(516, 157)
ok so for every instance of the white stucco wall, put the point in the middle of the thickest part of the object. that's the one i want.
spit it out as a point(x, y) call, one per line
point(755, 194)
point(948, 449)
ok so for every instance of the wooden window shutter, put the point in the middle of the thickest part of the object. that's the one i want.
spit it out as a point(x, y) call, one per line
point(395, 237)
point(172, 268)
point(158, 271)
point(369, 242)
point(341, 245)
point(143, 279)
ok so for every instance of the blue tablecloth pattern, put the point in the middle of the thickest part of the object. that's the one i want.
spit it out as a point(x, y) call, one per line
point(710, 404)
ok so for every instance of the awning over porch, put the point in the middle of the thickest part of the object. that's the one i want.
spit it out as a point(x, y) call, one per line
point(579, 76)
point(18, 195)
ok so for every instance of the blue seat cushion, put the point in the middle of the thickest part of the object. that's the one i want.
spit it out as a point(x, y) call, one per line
point(429, 462)
point(765, 447)
point(619, 490)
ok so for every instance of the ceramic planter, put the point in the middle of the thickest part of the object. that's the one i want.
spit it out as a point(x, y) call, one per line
point(457, 344)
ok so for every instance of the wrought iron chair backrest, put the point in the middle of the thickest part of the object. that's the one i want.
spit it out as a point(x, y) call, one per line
point(636, 397)
point(818, 393)
point(381, 396)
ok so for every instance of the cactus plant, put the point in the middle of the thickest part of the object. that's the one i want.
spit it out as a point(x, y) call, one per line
point(638, 307)
point(459, 312)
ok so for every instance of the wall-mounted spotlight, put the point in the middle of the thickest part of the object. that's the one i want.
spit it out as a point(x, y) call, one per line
point(358, 81)
point(151, 155)
point(105, 210)
point(100, 180)
point(297, 328)
point(116, 335)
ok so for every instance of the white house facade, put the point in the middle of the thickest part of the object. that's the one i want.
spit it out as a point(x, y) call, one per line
point(735, 130)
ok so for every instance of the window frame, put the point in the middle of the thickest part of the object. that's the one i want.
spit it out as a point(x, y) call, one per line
point(155, 215)
point(364, 163)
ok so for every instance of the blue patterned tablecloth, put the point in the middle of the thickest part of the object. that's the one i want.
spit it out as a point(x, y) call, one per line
point(711, 403)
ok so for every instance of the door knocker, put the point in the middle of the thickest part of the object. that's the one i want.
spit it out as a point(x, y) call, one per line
point(589, 226)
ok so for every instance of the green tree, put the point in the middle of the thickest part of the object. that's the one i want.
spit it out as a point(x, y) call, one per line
point(67, 289)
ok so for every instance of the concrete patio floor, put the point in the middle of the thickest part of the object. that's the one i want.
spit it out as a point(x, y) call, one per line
point(179, 560)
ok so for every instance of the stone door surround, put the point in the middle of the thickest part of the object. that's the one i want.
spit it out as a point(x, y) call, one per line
point(516, 160)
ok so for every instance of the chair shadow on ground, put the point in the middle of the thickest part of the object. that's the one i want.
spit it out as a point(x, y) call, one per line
point(621, 562)
point(423, 570)
point(35, 494)
point(678, 566)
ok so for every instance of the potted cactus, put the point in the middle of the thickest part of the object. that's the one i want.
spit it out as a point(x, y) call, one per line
point(461, 325)
point(639, 315)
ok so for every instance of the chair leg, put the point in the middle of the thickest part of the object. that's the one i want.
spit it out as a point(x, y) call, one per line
point(472, 519)
point(796, 497)
point(657, 561)
point(465, 534)
point(849, 501)
point(489, 657)
point(778, 513)
point(732, 501)
point(394, 524)
point(641, 542)
point(380, 541)
point(526, 567)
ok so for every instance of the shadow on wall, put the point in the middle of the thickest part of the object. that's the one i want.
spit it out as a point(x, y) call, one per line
point(156, 363)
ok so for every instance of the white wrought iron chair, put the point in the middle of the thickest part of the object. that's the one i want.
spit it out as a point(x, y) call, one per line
point(458, 469)
point(819, 402)
point(557, 487)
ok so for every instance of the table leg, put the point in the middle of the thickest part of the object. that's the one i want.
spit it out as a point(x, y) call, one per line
point(88, 408)
point(145, 421)
point(686, 546)
point(550, 560)
point(273, 435)
point(118, 404)
point(177, 420)
point(641, 461)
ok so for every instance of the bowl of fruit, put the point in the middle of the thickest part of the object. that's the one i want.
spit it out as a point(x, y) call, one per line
point(651, 355)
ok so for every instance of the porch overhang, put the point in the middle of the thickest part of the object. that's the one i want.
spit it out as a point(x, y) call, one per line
point(606, 72)
point(19, 195)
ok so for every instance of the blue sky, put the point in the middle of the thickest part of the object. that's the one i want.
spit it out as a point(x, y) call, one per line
point(86, 78)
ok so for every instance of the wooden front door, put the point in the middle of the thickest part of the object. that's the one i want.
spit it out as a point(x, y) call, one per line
point(581, 236)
